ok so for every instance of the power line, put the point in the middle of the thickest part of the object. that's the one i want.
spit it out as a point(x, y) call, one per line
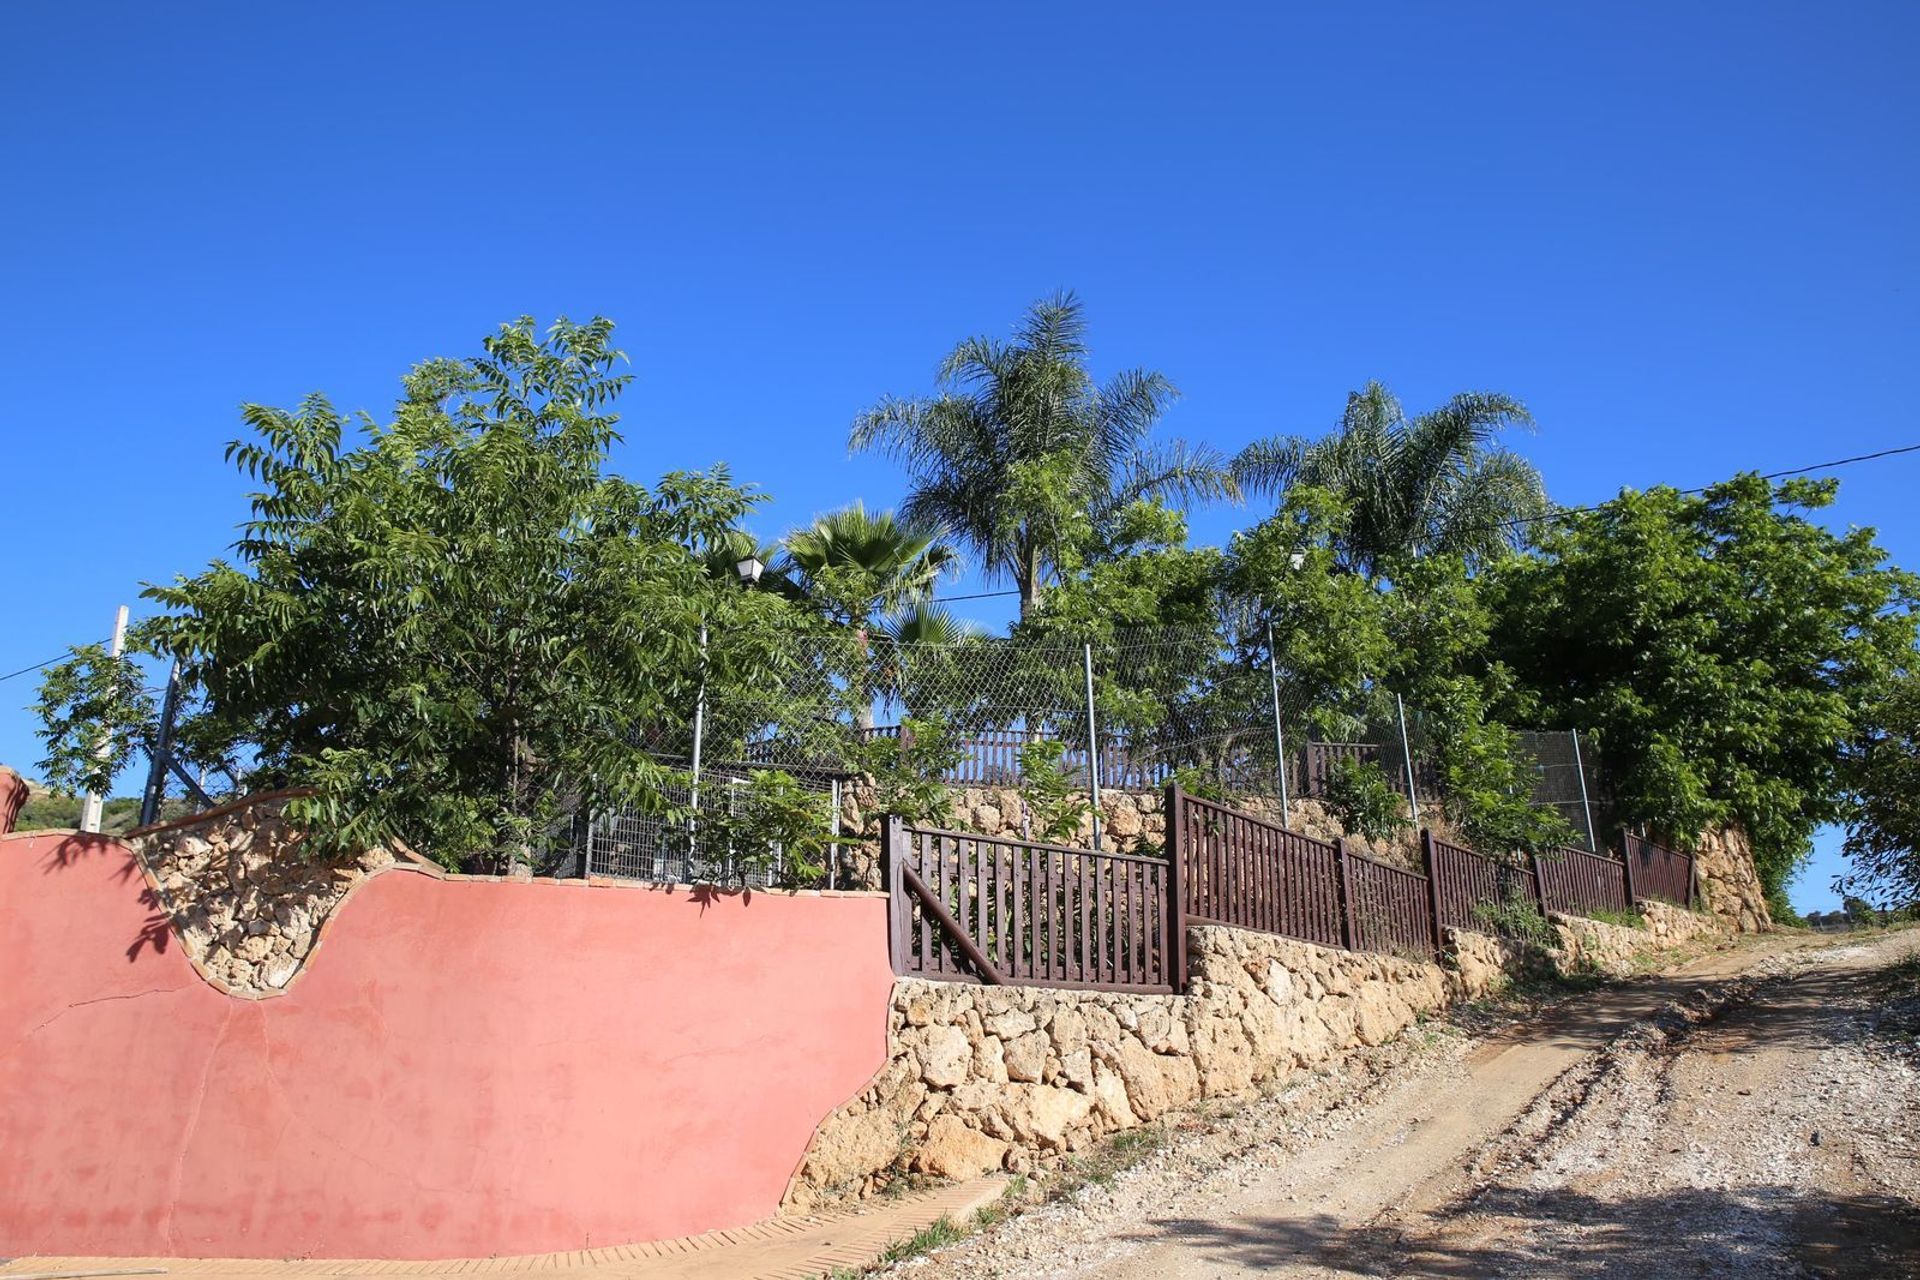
point(1562, 512)
point(1559, 512)
point(24, 671)
point(978, 595)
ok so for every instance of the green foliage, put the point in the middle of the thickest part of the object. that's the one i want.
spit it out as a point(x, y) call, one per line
point(1056, 804)
point(1198, 782)
point(1025, 458)
point(1714, 651)
point(1328, 625)
point(941, 1232)
point(1883, 812)
point(94, 713)
point(1517, 918)
point(1631, 918)
point(1365, 800)
point(461, 628)
point(908, 771)
point(56, 813)
point(770, 823)
point(1433, 485)
point(853, 566)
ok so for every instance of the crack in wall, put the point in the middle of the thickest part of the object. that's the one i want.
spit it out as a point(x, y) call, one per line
point(179, 1174)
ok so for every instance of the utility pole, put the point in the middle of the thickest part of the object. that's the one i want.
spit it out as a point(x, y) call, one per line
point(91, 810)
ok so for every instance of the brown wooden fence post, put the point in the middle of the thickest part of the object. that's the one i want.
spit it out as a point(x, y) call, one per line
point(1433, 889)
point(1539, 885)
point(1174, 812)
point(1348, 929)
point(1626, 866)
point(893, 854)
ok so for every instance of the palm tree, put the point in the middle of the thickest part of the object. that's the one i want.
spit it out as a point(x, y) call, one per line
point(1024, 458)
point(1435, 484)
point(853, 565)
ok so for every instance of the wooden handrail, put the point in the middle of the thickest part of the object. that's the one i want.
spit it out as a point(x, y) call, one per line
point(1014, 842)
point(938, 910)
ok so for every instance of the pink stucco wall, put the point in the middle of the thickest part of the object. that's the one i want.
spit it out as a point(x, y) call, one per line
point(465, 1067)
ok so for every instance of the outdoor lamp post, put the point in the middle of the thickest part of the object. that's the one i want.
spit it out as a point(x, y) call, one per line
point(749, 570)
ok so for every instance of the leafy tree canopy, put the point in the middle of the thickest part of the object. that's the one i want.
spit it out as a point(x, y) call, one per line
point(1714, 650)
point(458, 629)
point(1883, 814)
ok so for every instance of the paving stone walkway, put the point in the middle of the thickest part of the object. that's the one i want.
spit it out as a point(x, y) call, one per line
point(788, 1248)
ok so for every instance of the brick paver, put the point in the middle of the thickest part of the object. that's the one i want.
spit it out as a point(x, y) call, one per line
point(781, 1248)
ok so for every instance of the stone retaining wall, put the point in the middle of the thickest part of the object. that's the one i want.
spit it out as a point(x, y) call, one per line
point(1616, 950)
point(1009, 1077)
point(247, 903)
point(1729, 883)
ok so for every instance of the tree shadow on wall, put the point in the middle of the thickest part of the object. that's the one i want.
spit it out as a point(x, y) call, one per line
point(1770, 1231)
point(156, 931)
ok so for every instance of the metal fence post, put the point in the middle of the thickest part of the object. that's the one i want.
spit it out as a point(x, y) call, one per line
point(157, 751)
point(1279, 738)
point(1093, 748)
point(1580, 771)
point(1406, 756)
point(833, 848)
point(699, 727)
point(893, 857)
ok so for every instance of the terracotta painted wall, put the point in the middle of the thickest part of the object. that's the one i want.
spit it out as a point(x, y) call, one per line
point(465, 1067)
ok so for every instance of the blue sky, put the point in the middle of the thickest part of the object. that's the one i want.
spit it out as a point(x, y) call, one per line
point(1684, 234)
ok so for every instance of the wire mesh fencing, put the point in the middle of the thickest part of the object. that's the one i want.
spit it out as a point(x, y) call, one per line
point(1129, 711)
point(703, 834)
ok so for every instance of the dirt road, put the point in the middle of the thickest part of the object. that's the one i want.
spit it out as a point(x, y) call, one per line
point(1755, 1114)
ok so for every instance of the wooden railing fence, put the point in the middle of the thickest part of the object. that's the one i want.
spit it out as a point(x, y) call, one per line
point(1654, 871)
point(1242, 871)
point(971, 908)
point(974, 908)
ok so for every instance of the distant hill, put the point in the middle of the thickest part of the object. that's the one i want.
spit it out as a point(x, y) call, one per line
point(45, 811)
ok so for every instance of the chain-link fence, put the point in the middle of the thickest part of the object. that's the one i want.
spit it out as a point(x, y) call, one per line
point(701, 835)
point(1129, 711)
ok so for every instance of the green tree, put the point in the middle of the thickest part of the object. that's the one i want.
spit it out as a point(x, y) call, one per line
point(1025, 458)
point(1883, 810)
point(1434, 484)
point(854, 566)
point(463, 627)
point(1717, 652)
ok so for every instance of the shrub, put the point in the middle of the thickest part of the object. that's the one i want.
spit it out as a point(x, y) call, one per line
point(1055, 804)
point(909, 773)
point(1517, 918)
point(1361, 796)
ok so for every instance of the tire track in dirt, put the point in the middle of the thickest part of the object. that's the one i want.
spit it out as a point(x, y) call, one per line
point(1403, 1179)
